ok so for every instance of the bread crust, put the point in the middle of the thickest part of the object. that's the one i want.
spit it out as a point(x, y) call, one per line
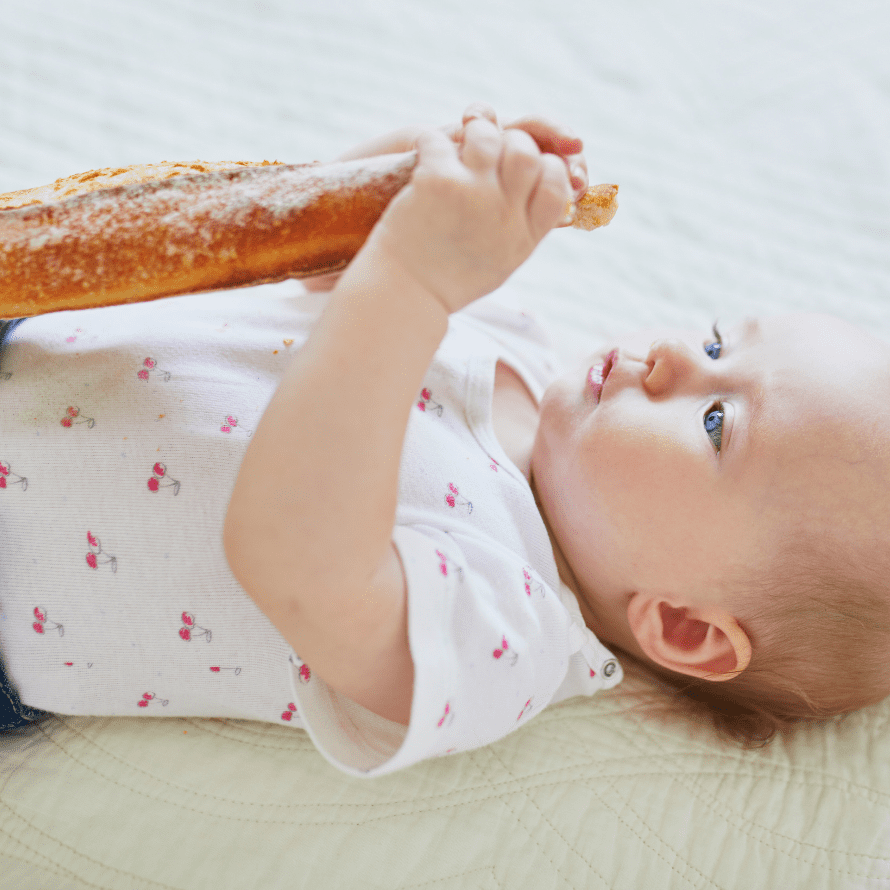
point(111, 177)
point(124, 235)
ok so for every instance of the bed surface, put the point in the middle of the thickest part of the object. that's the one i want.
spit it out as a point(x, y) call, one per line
point(750, 142)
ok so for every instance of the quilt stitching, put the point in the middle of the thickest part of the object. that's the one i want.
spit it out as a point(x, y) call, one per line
point(707, 798)
point(519, 822)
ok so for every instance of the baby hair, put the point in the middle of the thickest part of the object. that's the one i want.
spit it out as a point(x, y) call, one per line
point(819, 624)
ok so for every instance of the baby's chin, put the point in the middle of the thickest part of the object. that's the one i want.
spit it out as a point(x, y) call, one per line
point(558, 407)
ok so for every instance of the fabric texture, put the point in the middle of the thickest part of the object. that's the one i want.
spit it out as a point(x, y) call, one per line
point(124, 429)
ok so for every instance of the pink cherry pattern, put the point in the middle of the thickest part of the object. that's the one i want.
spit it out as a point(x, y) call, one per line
point(187, 631)
point(532, 585)
point(426, 402)
point(148, 697)
point(150, 366)
point(230, 423)
point(43, 623)
point(71, 416)
point(446, 564)
point(96, 551)
point(453, 499)
point(159, 479)
point(6, 475)
point(512, 656)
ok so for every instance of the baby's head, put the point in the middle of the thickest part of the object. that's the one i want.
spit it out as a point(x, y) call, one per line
point(722, 511)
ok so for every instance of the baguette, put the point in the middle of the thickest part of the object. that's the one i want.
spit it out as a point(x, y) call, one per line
point(124, 235)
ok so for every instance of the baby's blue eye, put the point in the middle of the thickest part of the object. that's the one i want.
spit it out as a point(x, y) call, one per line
point(713, 349)
point(714, 425)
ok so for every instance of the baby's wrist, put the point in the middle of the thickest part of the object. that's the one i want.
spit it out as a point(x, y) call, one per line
point(379, 275)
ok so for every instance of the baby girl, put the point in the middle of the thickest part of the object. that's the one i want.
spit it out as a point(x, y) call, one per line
point(381, 514)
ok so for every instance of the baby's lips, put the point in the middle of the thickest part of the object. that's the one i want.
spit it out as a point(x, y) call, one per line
point(599, 373)
point(595, 384)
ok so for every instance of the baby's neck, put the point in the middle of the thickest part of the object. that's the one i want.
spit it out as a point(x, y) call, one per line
point(566, 575)
point(514, 416)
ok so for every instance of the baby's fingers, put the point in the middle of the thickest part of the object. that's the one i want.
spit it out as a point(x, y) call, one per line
point(550, 137)
point(558, 140)
point(550, 198)
point(520, 166)
point(435, 151)
point(482, 145)
point(480, 109)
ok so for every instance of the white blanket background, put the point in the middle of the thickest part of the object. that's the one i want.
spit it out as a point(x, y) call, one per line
point(751, 142)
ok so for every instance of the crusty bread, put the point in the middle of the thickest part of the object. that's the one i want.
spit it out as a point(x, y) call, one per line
point(110, 177)
point(123, 235)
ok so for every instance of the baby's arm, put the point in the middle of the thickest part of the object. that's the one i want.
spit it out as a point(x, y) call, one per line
point(309, 526)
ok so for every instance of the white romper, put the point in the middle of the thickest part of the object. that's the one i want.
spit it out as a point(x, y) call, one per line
point(122, 430)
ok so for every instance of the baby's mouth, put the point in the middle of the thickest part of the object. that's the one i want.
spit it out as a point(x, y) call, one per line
point(598, 374)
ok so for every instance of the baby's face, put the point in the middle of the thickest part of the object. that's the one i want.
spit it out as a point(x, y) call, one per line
point(689, 461)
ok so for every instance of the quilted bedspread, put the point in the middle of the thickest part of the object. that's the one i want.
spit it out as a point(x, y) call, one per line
point(750, 141)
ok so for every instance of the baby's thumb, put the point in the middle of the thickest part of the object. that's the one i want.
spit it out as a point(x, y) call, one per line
point(435, 150)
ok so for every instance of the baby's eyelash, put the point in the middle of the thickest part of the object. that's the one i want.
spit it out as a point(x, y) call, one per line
point(714, 349)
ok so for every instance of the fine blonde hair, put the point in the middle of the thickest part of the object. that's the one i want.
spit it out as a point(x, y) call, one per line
point(819, 624)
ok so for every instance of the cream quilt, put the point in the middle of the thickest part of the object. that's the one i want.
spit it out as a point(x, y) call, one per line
point(751, 142)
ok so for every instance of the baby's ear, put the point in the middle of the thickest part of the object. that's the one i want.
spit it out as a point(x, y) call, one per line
point(704, 642)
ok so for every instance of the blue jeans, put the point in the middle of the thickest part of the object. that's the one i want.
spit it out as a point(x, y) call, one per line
point(13, 713)
point(7, 326)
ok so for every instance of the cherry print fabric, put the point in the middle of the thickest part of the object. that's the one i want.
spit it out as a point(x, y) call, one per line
point(123, 431)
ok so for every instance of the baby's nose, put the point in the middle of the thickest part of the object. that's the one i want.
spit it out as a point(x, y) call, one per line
point(671, 363)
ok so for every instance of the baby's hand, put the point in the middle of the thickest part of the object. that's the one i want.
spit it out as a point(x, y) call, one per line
point(549, 137)
point(471, 214)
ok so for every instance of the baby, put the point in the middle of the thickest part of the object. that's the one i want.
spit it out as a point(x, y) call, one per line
point(717, 504)
point(441, 534)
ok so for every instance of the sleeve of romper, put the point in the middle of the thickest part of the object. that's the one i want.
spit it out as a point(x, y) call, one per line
point(491, 648)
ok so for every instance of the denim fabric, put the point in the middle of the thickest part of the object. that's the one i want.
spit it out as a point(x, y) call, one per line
point(13, 713)
point(7, 326)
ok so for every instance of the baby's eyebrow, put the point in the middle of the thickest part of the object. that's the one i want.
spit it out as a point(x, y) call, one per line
point(750, 330)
